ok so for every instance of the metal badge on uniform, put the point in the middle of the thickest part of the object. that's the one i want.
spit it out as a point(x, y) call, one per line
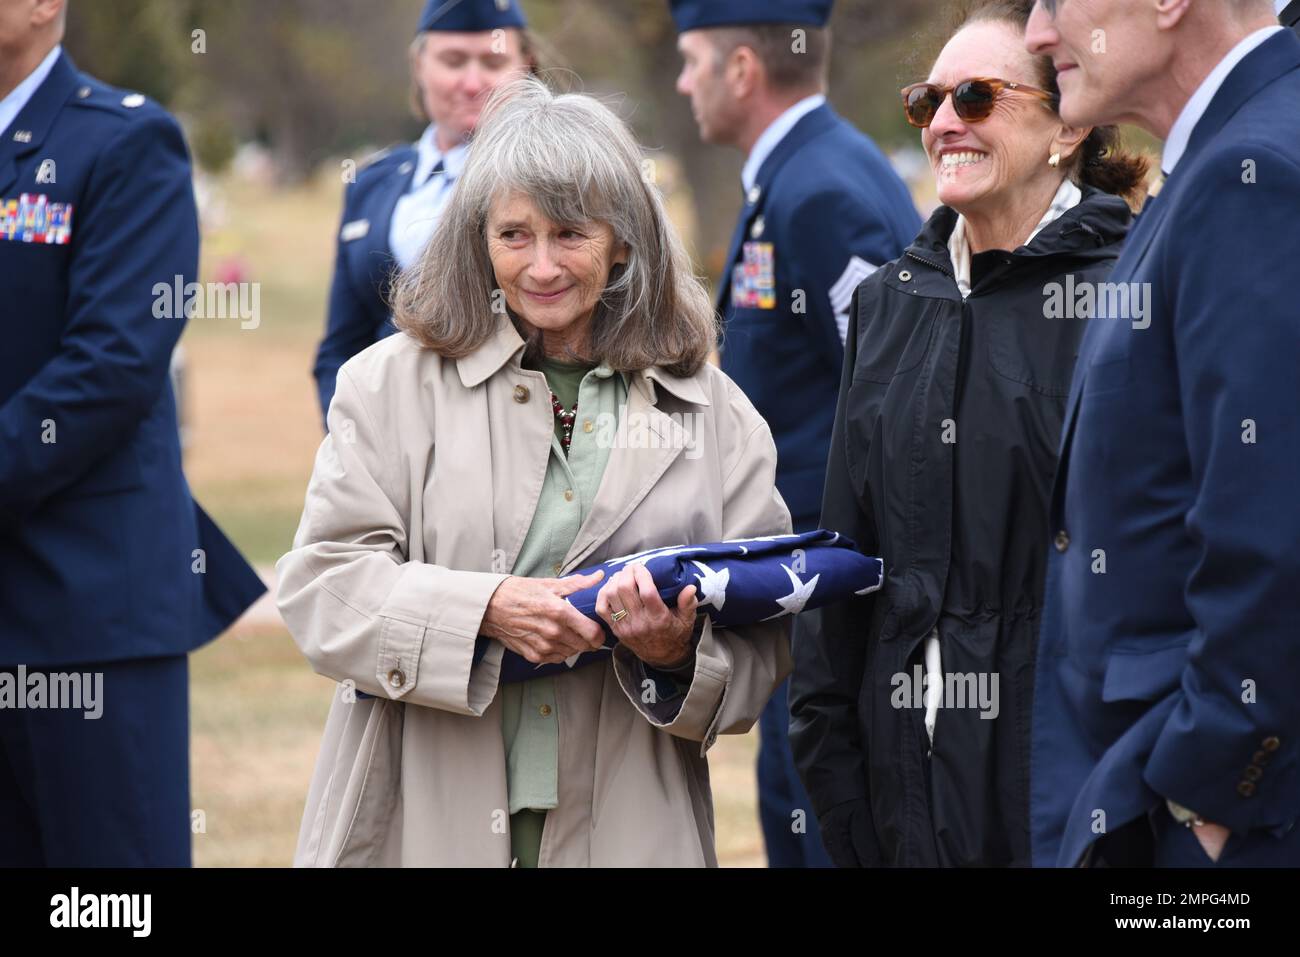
point(32, 218)
point(753, 279)
point(22, 136)
point(354, 230)
point(132, 100)
point(756, 230)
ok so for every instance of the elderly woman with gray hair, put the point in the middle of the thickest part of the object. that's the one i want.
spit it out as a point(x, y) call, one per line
point(465, 472)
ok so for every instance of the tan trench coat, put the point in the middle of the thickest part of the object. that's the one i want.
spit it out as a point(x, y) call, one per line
point(426, 484)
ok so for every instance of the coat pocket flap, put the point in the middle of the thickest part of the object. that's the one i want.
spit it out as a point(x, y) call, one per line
point(1143, 676)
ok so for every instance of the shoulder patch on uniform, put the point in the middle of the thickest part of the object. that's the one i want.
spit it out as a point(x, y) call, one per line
point(841, 294)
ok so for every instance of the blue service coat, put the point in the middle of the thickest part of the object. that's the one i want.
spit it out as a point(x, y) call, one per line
point(824, 196)
point(1169, 655)
point(99, 535)
point(363, 266)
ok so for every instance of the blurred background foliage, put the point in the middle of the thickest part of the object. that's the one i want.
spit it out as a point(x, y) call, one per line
point(312, 80)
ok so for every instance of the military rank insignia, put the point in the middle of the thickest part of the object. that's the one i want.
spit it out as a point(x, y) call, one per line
point(753, 279)
point(32, 218)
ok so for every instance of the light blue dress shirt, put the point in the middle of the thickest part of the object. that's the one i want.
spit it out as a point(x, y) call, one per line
point(417, 212)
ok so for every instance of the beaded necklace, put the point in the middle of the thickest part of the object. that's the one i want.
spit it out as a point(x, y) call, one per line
point(566, 421)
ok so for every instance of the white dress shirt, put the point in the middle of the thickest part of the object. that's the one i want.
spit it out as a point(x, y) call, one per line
point(1180, 133)
point(774, 134)
point(417, 212)
point(13, 104)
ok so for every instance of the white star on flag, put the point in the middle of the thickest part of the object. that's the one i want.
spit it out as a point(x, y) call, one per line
point(876, 587)
point(793, 603)
point(712, 589)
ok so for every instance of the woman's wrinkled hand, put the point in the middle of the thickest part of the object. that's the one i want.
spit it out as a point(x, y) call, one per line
point(531, 617)
point(658, 635)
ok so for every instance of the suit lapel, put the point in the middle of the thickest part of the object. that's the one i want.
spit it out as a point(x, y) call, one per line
point(30, 127)
point(377, 263)
point(811, 125)
point(747, 215)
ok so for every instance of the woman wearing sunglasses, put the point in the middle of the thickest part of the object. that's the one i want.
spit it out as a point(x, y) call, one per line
point(911, 706)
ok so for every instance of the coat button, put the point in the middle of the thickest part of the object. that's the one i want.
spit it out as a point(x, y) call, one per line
point(396, 678)
point(588, 426)
point(1253, 773)
point(1259, 757)
point(1245, 788)
point(521, 393)
point(544, 711)
point(568, 495)
point(557, 567)
point(1271, 743)
point(1061, 541)
point(904, 276)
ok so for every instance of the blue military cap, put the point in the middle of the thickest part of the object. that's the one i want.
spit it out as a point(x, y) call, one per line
point(695, 14)
point(471, 16)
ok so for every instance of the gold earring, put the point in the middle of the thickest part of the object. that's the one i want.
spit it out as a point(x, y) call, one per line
point(1054, 160)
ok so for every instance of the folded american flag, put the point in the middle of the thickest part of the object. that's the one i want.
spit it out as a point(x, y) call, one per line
point(738, 582)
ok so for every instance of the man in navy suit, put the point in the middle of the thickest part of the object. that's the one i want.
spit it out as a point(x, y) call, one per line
point(1166, 715)
point(462, 51)
point(822, 210)
point(109, 571)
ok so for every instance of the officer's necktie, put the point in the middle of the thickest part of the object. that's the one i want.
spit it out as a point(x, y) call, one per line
point(438, 171)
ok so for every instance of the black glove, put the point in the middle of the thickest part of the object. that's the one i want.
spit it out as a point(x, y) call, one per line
point(850, 835)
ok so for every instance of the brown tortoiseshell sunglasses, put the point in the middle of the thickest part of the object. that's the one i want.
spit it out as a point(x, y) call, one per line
point(972, 99)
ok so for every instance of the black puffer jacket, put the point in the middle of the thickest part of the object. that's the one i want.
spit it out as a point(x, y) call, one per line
point(941, 461)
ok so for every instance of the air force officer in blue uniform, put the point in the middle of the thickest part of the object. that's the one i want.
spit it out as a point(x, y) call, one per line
point(1166, 714)
point(462, 51)
point(822, 209)
point(107, 566)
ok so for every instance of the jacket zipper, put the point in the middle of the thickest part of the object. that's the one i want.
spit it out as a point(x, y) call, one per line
point(929, 262)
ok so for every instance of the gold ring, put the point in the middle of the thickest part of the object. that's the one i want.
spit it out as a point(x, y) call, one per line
point(619, 615)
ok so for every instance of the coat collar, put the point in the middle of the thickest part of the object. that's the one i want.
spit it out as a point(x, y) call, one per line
point(810, 126)
point(1277, 55)
point(505, 344)
point(36, 118)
